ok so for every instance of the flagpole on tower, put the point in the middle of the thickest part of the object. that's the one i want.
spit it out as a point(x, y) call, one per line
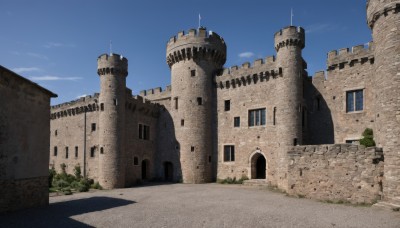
point(110, 47)
point(199, 21)
point(291, 17)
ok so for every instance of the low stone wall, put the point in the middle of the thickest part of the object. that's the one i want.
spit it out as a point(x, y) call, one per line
point(23, 193)
point(337, 173)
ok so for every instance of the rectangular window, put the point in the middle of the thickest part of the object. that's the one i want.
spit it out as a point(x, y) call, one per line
point(354, 100)
point(257, 117)
point(92, 150)
point(140, 131)
point(144, 132)
point(192, 148)
point(55, 151)
point(353, 141)
point(55, 132)
point(135, 161)
point(229, 153)
point(176, 102)
point(227, 105)
point(199, 101)
point(93, 126)
point(102, 107)
point(193, 73)
point(236, 122)
point(182, 122)
point(115, 102)
point(66, 152)
point(76, 151)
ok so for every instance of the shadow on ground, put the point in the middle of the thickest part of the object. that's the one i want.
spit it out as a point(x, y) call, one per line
point(58, 214)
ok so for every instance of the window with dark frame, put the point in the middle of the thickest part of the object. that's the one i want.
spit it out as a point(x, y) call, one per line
point(144, 132)
point(193, 73)
point(93, 126)
point(355, 100)
point(227, 105)
point(236, 121)
point(229, 153)
point(257, 117)
point(92, 151)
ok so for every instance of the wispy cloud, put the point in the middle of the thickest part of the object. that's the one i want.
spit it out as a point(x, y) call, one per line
point(36, 55)
point(54, 78)
point(80, 96)
point(56, 45)
point(319, 28)
point(25, 69)
point(246, 54)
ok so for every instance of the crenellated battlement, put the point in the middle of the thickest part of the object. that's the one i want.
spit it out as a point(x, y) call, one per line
point(197, 44)
point(338, 59)
point(91, 104)
point(112, 64)
point(261, 70)
point(290, 36)
point(158, 91)
point(376, 9)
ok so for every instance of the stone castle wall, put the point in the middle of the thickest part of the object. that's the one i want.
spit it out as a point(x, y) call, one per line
point(242, 88)
point(339, 172)
point(24, 142)
point(348, 70)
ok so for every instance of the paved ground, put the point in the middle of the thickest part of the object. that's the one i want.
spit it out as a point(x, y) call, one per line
point(183, 205)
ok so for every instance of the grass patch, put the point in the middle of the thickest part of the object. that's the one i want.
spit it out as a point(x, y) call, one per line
point(232, 180)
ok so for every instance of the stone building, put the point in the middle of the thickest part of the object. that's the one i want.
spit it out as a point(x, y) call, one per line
point(24, 142)
point(249, 121)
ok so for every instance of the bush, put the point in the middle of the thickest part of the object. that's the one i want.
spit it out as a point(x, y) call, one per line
point(60, 184)
point(66, 191)
point(77, 172)
point(52, 173)
point(368, 138)
point(96, 185)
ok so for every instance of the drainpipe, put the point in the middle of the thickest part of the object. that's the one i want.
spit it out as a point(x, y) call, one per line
point(84, 144)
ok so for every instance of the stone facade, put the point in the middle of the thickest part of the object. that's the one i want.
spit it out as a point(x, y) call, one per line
point(215, 122)
point(24, 142)
point(339, 172)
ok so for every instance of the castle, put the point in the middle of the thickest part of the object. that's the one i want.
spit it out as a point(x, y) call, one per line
point(268, 120)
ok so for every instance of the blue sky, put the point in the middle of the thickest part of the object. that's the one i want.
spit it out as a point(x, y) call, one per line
point(56, 43)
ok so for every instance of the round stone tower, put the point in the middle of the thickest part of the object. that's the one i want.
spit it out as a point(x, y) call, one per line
point(289, 43)
point(194, 59)
point(112, 70)
point(383, 18)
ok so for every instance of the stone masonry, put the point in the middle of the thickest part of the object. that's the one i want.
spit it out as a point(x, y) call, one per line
point(24, 142)
point(247, 122)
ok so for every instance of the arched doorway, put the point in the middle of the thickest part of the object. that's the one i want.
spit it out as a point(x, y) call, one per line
point(145, 168)
point(258, 166)
point(168, 171)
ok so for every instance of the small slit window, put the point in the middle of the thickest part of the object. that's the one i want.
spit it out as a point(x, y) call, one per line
point(199, 101)
point(66, 152)
point(55, 151)
point(92, 151)
point(192, 148)
point(193, 73)
point(102, 107)
point(76, 151)
point(135, 161)
point(182, 122)
point(93, 126)
point(227, 104)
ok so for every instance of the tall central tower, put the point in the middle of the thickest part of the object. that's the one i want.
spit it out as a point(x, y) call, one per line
point(194, 59)
point(112, 70)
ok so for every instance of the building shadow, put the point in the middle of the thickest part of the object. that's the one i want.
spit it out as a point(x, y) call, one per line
point(58, 214)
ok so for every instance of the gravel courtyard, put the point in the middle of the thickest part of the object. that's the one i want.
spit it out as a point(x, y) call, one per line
point(184, 205)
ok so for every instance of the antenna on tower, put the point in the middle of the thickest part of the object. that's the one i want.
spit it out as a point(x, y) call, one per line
point(291, 17)
point(110, 48)
point(199, 20)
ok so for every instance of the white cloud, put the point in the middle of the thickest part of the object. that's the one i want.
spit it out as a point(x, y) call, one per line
point(80, 96)
point(19, 70)
point(55, 45)
point(54, 78)
point(246, 54)
point(36, 55)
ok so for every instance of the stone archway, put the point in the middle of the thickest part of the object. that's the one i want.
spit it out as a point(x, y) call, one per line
point(258, 166)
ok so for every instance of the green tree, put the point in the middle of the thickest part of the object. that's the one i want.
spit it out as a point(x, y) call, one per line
point(368, 138)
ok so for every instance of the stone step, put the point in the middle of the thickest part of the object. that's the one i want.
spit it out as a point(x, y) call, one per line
point(256, 182)
point(387, 205)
